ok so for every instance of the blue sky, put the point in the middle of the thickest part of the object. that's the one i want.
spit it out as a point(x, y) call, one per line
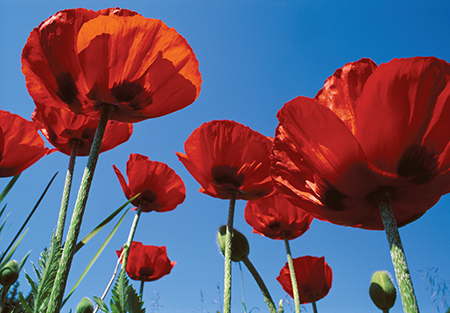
point(254, 57)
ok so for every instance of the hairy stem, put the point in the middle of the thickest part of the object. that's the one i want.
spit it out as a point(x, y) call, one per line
point(126, 247)
point(66, 194)
point(261, 285)
point(77, 216)
point(292, 273)
point(228, 236)
point(398, 255)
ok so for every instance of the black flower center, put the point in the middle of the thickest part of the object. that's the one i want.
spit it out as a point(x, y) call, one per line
point(132, 94)
point(417, 164)
point(67, 89)
point(145, 272)
point(148, 196)
point(227, 175)
point(274, 225)
point(332, 198)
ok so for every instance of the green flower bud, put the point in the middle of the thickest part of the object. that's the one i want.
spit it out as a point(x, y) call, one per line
point(382, 290)
point(9, 273)
point(239, 244)
point(85, 306)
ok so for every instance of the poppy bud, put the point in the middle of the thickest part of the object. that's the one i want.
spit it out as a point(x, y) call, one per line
point(239, 244)
point(9, 273)
point(382, 290)
point(85, 306)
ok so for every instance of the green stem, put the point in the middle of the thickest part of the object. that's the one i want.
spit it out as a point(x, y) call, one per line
point(141, 292)
point(126, 247)
point(242, 288)
point(77, 216)
point(398, 256)
point(314, 306)
point(228, 236)
point(261, 285)
point(66, 194)
point(292, 273)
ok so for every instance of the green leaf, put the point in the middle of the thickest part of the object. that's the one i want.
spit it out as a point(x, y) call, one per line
point(24, 259)
point(8, 187)
point(29, 216)
point(9, 255)
point(103, 224)
point(49, 267)
point(135, 304)
point(120, 294)
point(97, 254)
point(101, 304)
point(25, 304)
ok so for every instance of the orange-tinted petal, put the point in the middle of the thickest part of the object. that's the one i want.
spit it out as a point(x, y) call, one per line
point(224, 155)
point(62, 128)
point(399, 100)
point(22, 145)
point(160, 188)
point(115, 57)
point(342, 91)
point(276, 217)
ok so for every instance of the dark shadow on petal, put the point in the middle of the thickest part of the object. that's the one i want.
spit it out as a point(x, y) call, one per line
point(67, 89)
point(331, 197)
point(131, 94)
point(227, 175)
point(417, 164)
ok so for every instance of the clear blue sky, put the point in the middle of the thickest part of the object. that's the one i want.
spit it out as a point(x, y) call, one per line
point(254, 56)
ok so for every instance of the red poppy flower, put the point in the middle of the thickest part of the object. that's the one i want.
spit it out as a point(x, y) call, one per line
point(276, 217)
point(62, 128)
point(147, 263)
point(314, 278)
point(81, 60)
point(370, 131)
point(225, 155)
point(20, 144)
point(160, 187)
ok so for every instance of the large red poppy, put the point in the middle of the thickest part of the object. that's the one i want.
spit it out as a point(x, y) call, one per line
point(62, 128)
point(160, 188)
point(82, 59)
point(275, 217)
point(225, 155)
point(147, 263)
point(314, 278)
point(20, 144)
point(370, 131)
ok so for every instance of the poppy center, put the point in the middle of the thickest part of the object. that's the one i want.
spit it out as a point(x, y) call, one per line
point(274, 225)
point(145, 272)
point(417, 164)
point(148, 196)
point(132, 94)
point(332, 198)
point(67, 89)
point(227, 175)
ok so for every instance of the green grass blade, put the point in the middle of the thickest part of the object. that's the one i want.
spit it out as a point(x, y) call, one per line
point(29, 215)
point(25, 304)
point(8, 187)
point(97, 254)
point(24, 259)
point(102, 224)
point(9, 255)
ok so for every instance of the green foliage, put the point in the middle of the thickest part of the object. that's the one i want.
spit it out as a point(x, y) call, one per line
point(124, 297)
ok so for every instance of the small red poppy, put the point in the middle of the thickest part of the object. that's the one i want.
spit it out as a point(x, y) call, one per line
point(147, 263)
point(20, 144)
point(62, 128)
point(275, 217)
point(160, 188)
point(314, 278)
point(370, 131)
point(225, 155)
point(82, 60)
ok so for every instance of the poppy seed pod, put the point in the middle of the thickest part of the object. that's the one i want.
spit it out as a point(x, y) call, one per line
point(382, 290)
point(9, 273)
point(85, 306)
point(239, 244)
